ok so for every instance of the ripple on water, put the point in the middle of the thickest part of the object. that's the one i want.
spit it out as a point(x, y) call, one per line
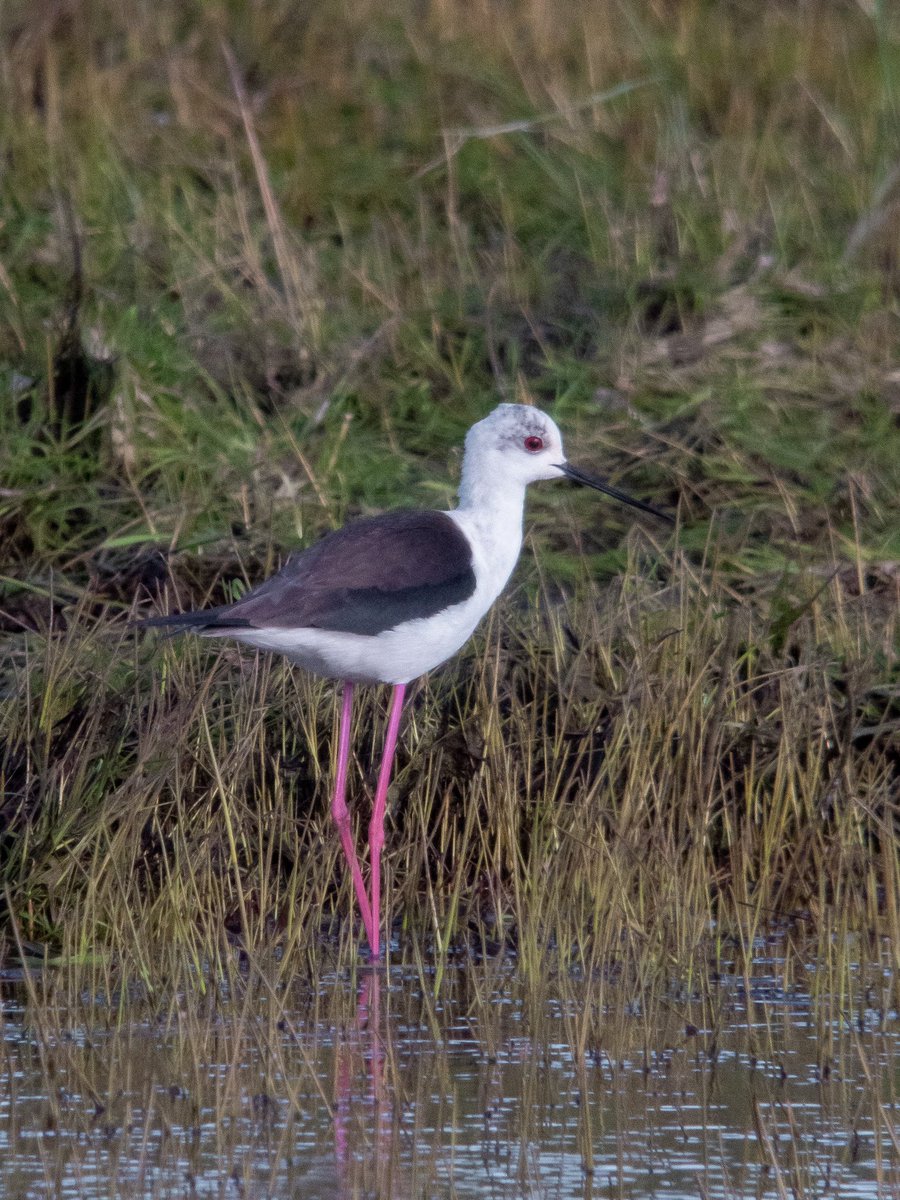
point(495, 1089)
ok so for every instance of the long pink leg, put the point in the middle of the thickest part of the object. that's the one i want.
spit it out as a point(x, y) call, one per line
point(376, 828)
point(341, 813)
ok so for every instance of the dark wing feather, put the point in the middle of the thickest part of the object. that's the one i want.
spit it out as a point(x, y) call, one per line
point(366, 578)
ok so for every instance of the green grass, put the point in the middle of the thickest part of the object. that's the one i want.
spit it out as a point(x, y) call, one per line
point(241, 303)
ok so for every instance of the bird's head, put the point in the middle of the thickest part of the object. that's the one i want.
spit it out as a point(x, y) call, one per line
point(516, 445)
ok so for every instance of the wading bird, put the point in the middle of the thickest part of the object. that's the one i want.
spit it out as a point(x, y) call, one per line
point(386, 599)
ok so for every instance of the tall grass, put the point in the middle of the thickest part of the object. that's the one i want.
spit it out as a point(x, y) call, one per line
point(624, 781)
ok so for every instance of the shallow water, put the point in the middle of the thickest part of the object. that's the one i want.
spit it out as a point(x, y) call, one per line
point(492, 1087)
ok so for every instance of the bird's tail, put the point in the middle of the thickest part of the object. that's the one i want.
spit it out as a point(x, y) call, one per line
point(198, 621)
point(178, 622)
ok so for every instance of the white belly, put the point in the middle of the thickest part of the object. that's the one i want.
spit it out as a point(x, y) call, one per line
point(395, 656)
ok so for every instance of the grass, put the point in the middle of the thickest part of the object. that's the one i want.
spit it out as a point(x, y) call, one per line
point(259, 274)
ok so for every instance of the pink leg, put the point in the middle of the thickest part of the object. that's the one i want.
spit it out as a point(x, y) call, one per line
point(376, 828)
point(341, 813)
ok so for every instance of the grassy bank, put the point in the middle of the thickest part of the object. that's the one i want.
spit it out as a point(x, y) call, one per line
point(258, 273)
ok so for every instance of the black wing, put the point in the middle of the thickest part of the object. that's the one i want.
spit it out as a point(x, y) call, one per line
point(368, 577)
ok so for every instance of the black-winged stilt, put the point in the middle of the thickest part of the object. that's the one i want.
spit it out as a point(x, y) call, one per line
point(385, 599)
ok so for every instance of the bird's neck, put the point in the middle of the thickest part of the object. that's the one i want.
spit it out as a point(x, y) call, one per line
point(490, 512)
point(500, 501)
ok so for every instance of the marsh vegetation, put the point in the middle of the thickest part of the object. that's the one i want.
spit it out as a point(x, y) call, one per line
point(260, 268)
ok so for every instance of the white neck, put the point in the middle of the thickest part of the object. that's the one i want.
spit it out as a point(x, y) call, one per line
point(491, 500)
point(480, 488)
point(491, 512)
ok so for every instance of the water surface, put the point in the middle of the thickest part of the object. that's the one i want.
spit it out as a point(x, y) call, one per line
point(382, 1085)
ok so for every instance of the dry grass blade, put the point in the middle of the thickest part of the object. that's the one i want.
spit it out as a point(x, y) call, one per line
point(297, 293)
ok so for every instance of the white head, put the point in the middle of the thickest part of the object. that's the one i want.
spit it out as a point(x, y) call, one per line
point(516, 445)
point(513, 446)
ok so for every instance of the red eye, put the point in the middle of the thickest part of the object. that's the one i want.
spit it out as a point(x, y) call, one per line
point(534, 443)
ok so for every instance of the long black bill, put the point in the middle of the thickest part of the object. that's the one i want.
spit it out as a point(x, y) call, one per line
point(589, 481)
